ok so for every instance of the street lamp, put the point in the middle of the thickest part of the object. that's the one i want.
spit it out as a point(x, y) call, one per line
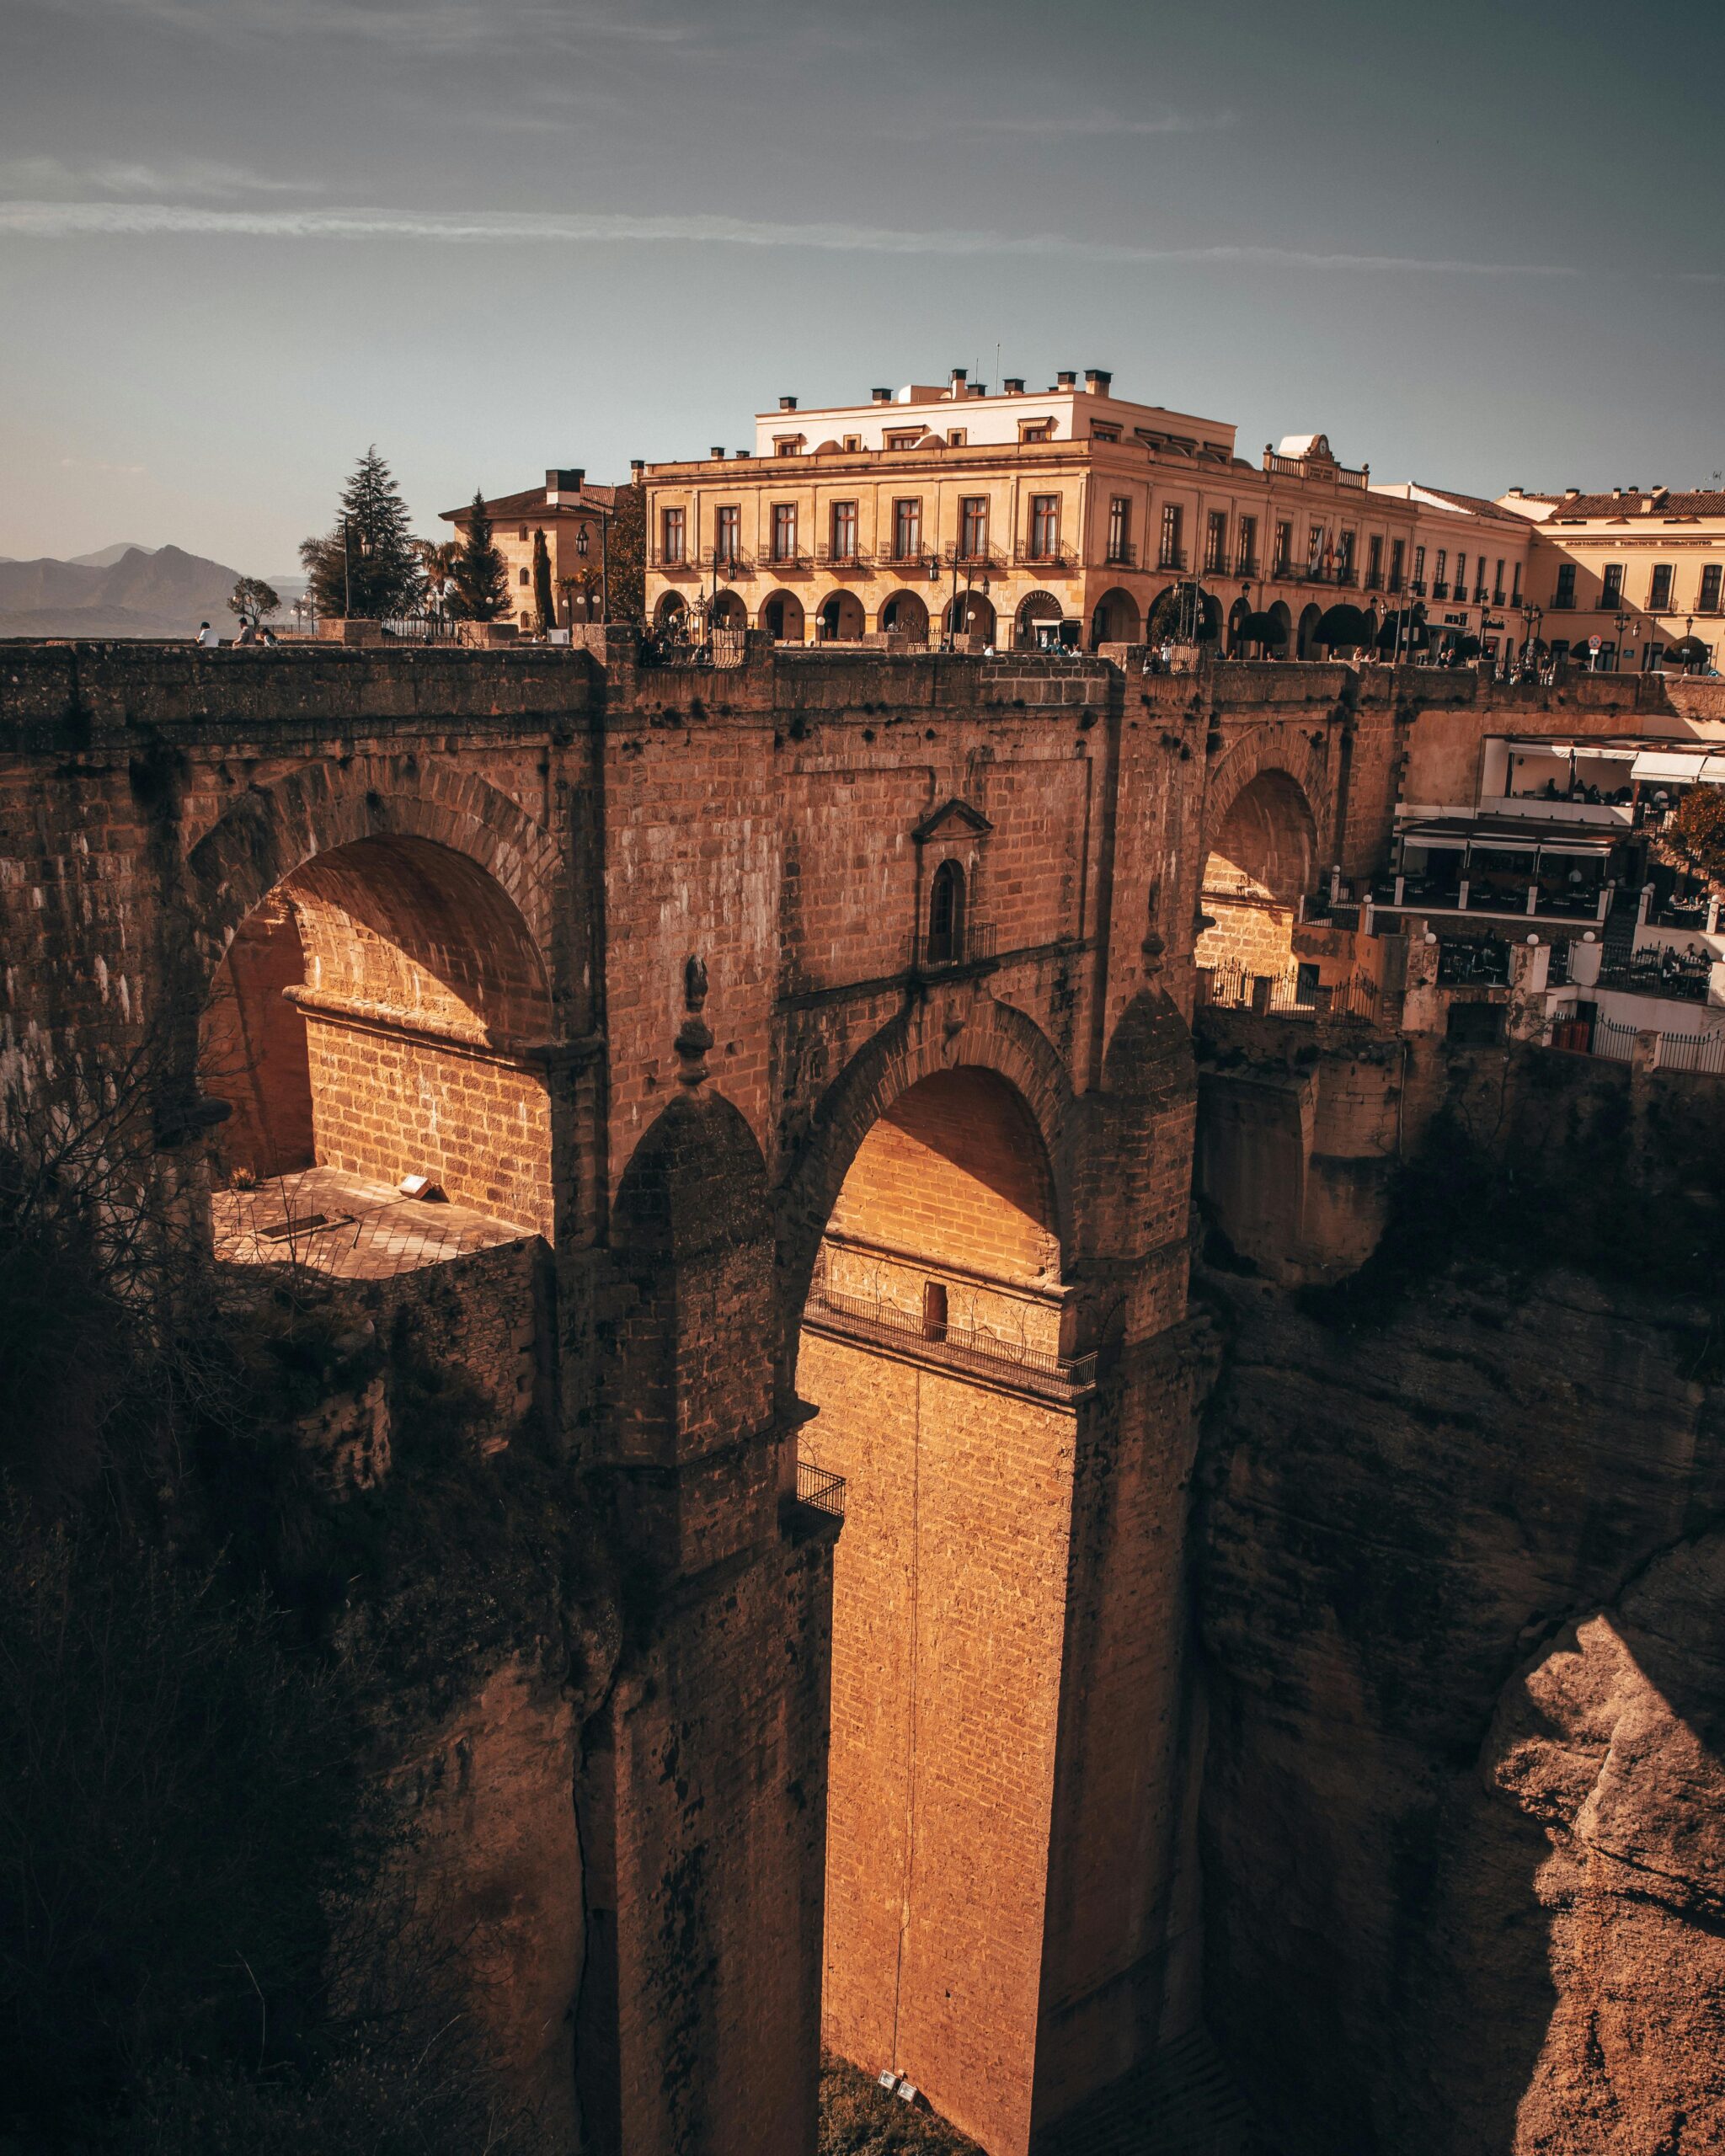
point(1531, 616)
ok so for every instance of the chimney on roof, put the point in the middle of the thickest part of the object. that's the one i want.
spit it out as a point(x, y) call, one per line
point(978, 389)
point(565, 481)
point(1013, 385)
point(1096, 381)
point(881, 395)
point(788, 403)
point(1515, 493)
point(717, 452)
point(960, 375)
point(1065, 379)
point(638, 466)
point(1570, 493)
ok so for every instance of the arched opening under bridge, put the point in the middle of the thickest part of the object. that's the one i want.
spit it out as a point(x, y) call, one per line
point(935, 1344)
point(1259, 864)
point(372, 1020)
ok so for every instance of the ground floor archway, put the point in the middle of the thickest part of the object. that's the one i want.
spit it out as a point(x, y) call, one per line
point(782, 617)
point(904, 615)
point(934, 1343)
point(728, 612)
point(671, 614)
point(1114, 619)
point(840, 617)
point(1037, 623)
point(1309, 619)
point(970, 614)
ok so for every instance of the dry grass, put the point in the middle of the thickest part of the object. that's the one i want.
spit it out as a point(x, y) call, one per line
point(858, 2118)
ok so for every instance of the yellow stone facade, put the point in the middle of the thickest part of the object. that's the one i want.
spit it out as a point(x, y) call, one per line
point(1641, 570)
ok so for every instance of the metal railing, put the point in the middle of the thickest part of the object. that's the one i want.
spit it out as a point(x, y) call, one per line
point(817, 1488)
point(1483, 962)
point(1660, 973)
point(1292, 994)
point(964, 1346)
point(972, 942)
point(724, 647)
point(422, 628)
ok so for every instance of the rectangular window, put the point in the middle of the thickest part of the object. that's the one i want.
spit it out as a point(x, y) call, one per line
point(1170, 558)
point(1398, 555)
point(1215, 542)
point(1315, 550)
point(727, 534)
point(1246, 555)
point(1461, 576)
point(972, 526)
point(1284, 549)
point(955, 438)
point(1497, 586)
point(1710, 589)
point(1036, 429)
point(853, 442)
point(1344, 557)
point(1045, 525)
point(1612, 585)
point(1375, 562)
point(1515, 588)
point(784, 532)
point(671, 542)
point(1564, 595)
point(1441, 587)
point(844, 531)
point(907, 530)
point(904, 440)
point(1420, 569)
point(1119, 528)
point(1659, 592)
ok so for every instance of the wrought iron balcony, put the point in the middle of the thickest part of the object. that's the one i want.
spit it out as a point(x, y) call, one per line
point(972, 943)
point(818, 1489)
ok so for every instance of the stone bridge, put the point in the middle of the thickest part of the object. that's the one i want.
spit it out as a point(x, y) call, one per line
point(817, 1031)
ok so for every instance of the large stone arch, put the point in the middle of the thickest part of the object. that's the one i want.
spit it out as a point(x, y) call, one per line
point(915, 1045)
point(1287, 750)
point(273, 830)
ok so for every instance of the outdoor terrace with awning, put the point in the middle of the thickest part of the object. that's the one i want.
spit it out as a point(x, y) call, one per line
point(1510, 866)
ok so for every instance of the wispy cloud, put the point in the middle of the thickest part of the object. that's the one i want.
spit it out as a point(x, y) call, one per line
point(436, 30)
point(1052, 125)
point(106, 470)
point(74, 220)
point(200, 177)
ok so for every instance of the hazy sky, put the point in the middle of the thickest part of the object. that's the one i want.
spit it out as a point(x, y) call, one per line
point(240, 239)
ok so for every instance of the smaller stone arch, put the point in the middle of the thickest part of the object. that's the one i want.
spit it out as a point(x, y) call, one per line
point(971, 614)
point(728, 612)
point(904, 615)
point(671, 615)
point(1038, 621)
point(1114, 619)
point(1257, 866)
point(782, 617)
point(840, 617)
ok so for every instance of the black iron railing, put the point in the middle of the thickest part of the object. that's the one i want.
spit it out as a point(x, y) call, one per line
point(826, 1492)
point(1294, 993)
point(972, 1348)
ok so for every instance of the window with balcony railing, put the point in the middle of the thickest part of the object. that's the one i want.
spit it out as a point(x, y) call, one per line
point(907, 528)
point(784, 532)
point(1659, 590)
point(1564, 594)
point(1246, 550)
point(1440, 590)
point(672, 537)
point(1215, 542)
point(844, 531)
point(973, 527)
point(1171, 555)
point(1711, 576)
point(728, 535)
point(1044, 526)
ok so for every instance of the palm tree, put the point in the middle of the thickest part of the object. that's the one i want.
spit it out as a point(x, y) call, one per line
point(438, 558)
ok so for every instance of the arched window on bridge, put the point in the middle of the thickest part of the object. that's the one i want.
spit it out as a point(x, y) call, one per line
point(946, 914)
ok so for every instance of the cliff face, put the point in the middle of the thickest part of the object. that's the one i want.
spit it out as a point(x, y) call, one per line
point(1464, 1821)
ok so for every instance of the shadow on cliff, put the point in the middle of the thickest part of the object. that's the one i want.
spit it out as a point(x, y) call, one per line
point(1461, 1603)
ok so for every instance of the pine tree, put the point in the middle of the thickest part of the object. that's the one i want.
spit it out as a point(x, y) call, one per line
point(542, 595)
point(481, 578)
point(627, 541)
point(368, 566)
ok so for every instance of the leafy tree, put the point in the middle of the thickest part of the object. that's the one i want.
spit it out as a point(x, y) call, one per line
point(481, 577)
point(1698, 828)
point(252, 599)
point(1184, 612)
point(543, 599)
point(368, 566)
point(627, 541)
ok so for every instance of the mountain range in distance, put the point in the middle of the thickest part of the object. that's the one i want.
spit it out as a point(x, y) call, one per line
point(123, 590)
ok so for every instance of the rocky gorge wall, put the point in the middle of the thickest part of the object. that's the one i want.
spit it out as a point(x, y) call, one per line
point(1461, 1579)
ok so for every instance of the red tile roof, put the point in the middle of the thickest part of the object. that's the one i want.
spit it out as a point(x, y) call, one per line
point(503, 507)
point(1700, 501)
point(1474, 504)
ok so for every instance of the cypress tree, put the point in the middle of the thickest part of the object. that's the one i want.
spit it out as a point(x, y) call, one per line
point(368, 566)
point(481, 578)
point(543, 598)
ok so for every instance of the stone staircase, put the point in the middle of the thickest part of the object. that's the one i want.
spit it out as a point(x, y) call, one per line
point(1619, 937)
point(1184, 2103)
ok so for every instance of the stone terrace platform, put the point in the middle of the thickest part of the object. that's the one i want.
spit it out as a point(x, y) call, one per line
point(348, 1226)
